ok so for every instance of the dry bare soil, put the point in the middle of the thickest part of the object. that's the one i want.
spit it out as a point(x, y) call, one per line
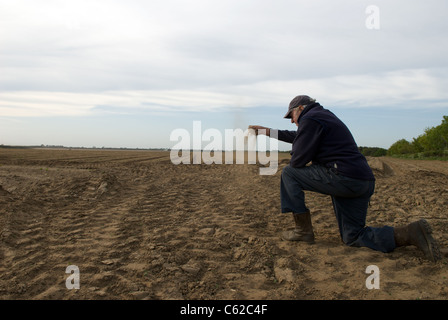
point(139, 227)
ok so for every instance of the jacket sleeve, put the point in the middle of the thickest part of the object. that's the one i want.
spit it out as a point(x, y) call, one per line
point(306, 143)
point(285, 135)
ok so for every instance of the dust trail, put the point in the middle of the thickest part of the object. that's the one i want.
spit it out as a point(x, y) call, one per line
point(240, 122)
point(256, 148)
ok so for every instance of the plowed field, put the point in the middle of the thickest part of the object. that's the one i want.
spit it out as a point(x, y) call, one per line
point(139, 227)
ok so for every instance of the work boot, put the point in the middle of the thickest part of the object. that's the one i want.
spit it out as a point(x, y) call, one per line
point(303, 230)
point(418, 233)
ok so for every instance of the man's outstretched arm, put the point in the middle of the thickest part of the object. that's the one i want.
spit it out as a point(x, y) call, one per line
point(282, 135)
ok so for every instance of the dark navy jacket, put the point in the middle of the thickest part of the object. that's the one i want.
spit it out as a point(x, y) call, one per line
point(324, 139)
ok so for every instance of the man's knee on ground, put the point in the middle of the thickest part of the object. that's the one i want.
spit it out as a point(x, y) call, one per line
point(351, 238)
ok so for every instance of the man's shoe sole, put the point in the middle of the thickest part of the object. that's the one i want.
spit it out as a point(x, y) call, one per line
point(433, 247)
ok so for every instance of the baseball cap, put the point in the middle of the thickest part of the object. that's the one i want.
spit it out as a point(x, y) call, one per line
point(301, 100)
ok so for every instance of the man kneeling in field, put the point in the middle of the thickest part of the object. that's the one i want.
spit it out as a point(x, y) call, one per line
point(338, 169)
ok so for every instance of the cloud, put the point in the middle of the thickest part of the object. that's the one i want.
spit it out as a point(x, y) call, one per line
point(401, 89)
point(67, 58)
point(44, 104)
point(87, 46)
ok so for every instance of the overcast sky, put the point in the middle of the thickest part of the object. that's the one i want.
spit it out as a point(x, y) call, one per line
point(127, 73)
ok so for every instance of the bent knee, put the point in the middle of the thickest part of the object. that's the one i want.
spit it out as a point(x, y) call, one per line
point(288, 170)
point(352, 239)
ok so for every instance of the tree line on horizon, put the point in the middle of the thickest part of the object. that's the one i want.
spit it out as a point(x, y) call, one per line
point(432, 143)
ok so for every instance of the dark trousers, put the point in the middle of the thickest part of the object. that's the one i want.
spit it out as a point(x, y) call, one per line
point(350, 201)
